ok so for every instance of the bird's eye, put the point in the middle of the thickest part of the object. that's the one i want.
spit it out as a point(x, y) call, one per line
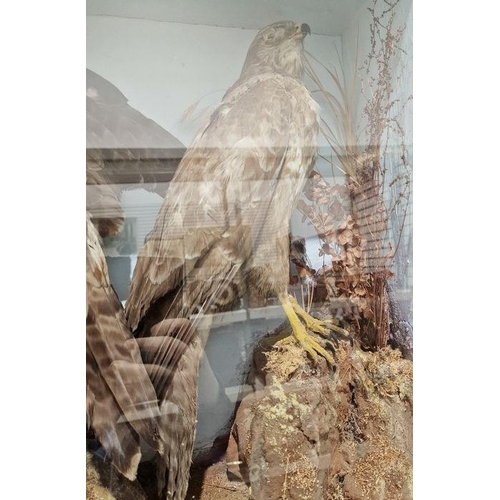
point(269, 37)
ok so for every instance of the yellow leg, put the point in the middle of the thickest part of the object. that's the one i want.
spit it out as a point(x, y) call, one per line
point(300, 333)
point(316, 325)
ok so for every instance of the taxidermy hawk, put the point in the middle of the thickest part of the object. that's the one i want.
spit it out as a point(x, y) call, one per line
point(223, 227)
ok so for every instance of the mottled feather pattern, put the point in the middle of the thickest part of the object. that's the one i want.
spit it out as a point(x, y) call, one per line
point(179, 421)
point(121, 400)
point(171, 355)
point(248, 156)
point(223, 227)
point(118, 438)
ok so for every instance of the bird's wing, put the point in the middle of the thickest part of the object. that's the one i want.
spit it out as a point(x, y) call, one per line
point(225, 174)
point(121, 401)
point(177, 389)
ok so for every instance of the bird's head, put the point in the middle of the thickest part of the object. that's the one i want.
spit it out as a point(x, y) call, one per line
point(277, 48)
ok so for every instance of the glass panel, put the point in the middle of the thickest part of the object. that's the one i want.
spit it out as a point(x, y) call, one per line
point(249, 249)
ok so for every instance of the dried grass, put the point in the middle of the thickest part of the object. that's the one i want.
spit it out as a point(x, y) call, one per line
point(358, 235)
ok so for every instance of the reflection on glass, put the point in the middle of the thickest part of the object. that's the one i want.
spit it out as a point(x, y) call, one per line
point(249, 295)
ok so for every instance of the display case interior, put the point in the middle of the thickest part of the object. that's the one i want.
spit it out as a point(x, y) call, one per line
point(249, 249)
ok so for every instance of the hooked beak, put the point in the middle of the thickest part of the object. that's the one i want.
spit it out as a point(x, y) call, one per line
point(305, 30)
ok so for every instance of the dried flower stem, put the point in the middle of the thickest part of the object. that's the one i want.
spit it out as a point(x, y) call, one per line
point(355, 228)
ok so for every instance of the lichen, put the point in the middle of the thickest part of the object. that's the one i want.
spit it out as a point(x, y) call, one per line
point(284, 360)
point(388, 374)
point(335, 435)
point(283, 416)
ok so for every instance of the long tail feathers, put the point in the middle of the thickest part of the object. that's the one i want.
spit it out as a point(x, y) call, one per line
point(175, 341)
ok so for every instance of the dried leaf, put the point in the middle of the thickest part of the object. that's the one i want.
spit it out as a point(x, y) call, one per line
point(356, 251)
point(351, 270)
point(343, 191)
point(323, 200)
point(330, 238)
point(345, 237)
point(336, 209)
point(350, 221)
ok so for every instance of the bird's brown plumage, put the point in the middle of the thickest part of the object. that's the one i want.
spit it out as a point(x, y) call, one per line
point(121, 401)
point(231, 199)
point(224, 221)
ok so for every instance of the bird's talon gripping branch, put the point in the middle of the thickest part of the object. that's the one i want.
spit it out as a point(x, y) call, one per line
point(312, 347)
point(300, 333)
point(322, 327)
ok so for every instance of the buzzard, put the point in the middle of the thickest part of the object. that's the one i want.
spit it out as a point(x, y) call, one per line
point(224, 223)
point(223, 227)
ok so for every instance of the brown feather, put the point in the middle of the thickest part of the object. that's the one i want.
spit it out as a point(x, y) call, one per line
point(224, 221)
point(233, 189)
point(171, 356)
point(118, 385)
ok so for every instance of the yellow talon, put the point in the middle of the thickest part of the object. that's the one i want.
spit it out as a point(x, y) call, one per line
point(316, 325)
point(300, 332)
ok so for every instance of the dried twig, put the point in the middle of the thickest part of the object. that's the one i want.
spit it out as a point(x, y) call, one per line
point(353, 219)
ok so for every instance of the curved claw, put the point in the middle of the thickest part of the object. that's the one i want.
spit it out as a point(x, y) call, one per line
point(326, 328)
point(330, 347)
point(336, 333)
point(304, 325)
point(312, 347)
